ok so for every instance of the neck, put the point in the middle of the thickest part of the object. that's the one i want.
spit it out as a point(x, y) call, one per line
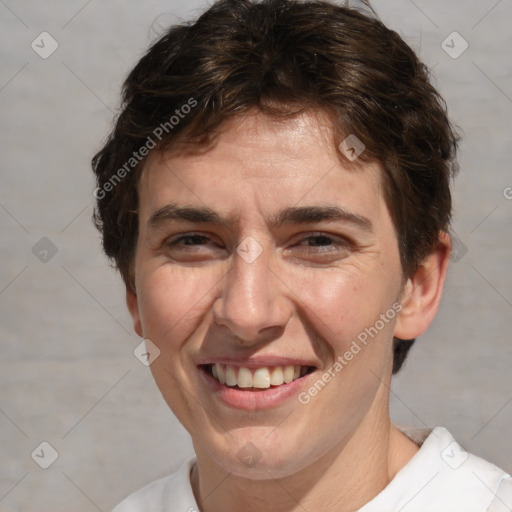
point(344, 479)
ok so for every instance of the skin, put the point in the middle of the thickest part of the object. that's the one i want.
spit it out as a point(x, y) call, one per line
point(304, 297)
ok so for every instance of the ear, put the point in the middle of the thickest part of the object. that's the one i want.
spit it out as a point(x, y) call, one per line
point(133, 308)
point(422, 292)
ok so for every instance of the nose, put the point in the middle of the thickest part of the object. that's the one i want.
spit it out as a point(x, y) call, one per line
point(252, 304)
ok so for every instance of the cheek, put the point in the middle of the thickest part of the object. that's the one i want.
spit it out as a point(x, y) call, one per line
point(341, 302)
point(172, 301)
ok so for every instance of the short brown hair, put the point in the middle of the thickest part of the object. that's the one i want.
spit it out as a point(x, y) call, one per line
point(282, 57)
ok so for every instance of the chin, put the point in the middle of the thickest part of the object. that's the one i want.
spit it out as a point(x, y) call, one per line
point(257, 459)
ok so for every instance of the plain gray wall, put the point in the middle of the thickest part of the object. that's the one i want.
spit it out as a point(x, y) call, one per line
point(68, 375)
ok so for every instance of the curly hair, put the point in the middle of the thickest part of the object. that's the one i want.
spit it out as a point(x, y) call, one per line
point(282, 57)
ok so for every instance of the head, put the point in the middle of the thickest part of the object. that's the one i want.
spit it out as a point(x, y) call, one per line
point(260, 108)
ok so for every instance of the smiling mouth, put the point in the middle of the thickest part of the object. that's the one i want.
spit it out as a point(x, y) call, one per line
point(240, 377)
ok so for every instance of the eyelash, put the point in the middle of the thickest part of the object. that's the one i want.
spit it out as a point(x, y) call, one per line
point(338, 243)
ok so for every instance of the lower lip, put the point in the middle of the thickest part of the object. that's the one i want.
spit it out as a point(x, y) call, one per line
point(250, 399)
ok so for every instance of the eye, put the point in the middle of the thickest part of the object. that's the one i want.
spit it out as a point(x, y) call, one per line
point(191, 245)
point(322, 244)
point(190, 239)
point(315, 245)
point(320, 240)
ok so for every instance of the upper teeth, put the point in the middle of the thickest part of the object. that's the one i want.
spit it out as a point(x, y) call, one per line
point(261, 378)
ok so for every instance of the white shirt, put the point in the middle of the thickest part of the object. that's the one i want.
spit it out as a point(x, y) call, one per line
point(441, 477)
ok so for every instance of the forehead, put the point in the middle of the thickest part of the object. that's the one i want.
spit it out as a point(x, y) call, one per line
point(259, 163)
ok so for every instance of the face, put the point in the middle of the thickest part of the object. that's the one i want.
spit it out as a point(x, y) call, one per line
point(264, 252)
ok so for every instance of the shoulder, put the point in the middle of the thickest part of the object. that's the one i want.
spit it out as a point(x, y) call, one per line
point(149, 497)
point(444, 476)
point(461, 479)
point(157, 496)
point(502, 500)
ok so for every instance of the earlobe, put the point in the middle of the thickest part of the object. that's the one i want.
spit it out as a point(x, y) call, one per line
point(133, 308)
point(422, 292)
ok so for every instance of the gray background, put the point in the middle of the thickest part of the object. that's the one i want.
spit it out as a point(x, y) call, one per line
point(68, 375)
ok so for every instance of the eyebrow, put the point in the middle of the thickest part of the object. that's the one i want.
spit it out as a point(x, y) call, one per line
point(287, 216)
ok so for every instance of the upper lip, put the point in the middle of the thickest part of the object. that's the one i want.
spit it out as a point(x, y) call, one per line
point(257, 361)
